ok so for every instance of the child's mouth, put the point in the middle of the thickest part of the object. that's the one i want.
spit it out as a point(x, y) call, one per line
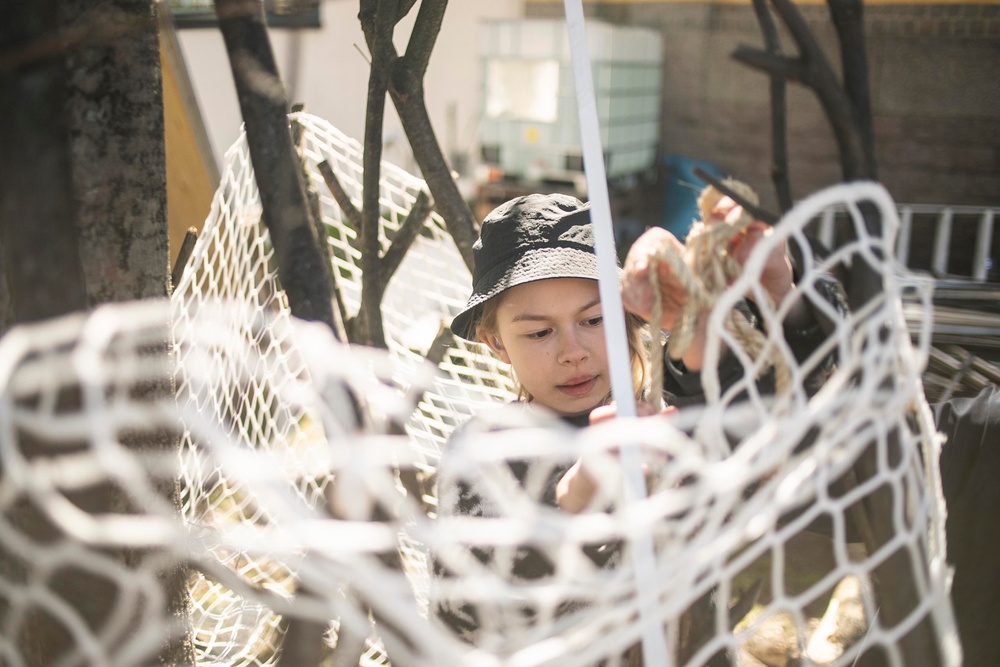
point(578, 386)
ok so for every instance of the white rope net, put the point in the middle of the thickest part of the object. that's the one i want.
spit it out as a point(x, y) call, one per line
point(290, 514)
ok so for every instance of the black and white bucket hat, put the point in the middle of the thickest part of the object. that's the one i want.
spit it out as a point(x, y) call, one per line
point(528, 238)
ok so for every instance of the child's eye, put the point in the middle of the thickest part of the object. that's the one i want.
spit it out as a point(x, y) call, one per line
point(538, 335)
point(594, 321)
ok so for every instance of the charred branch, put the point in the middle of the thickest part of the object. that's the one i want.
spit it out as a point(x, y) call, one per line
point(792, 69)
point(748, 206)
point(352, 216)
point(848, 18)
point(813, 70)
point(779, 125)
point(407, 94)
point(183, 255)
point(408, 232)
point(303, 273)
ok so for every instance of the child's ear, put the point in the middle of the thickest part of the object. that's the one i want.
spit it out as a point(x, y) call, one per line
point(494, 343)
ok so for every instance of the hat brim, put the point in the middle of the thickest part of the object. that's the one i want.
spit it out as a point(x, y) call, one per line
point(534, 265)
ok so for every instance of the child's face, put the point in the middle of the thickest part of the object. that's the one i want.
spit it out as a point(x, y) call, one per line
point(552, 333)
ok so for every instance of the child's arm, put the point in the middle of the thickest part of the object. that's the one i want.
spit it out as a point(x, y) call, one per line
point(577, 487)
point(777, 277)
point(802, 324)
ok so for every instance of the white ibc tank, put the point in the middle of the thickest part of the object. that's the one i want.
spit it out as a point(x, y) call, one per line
point(529, 127)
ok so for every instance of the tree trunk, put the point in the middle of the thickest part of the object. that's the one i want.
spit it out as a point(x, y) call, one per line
point(83, 222)
point(36, 212)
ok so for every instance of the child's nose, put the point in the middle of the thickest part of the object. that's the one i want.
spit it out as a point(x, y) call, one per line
point(572, 351)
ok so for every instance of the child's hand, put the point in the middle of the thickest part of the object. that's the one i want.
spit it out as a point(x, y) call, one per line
point(575, 489)
point(603, 413)
point(776, 276)
point(637, 294)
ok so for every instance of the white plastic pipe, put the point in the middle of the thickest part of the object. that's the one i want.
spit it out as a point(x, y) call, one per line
point(654, 648)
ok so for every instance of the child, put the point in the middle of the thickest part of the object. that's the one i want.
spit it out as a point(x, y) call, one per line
point(535, 304)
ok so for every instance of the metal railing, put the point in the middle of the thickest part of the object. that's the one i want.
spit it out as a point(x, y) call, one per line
point(936, 238)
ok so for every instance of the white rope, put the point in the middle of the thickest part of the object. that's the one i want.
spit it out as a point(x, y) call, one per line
point(653, 642)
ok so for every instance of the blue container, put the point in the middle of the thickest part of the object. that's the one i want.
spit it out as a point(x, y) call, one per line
point(680, 199)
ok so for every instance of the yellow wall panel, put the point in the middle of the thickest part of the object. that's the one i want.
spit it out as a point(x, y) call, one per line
point(192, 175)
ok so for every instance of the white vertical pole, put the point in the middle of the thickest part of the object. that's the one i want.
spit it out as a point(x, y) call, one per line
point(653, 644)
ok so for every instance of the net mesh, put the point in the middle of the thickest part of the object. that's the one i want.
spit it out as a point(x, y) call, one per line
point(756, 506)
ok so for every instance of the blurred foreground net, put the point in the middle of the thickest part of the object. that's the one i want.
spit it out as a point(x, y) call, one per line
point(759, 507)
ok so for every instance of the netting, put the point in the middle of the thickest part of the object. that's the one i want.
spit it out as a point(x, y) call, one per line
point(760, 507)
point(232, 262)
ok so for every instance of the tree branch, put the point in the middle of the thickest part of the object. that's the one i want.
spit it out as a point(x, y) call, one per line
point(407, 95)
point(404, 8)
point(352, 218)
point(369, 322)
point(351, 214)
point(779, 127)
point(303, 273)
point(422, 39)
point(848, 18)
point(322, 237)
point(408, 231)
point(447, 199)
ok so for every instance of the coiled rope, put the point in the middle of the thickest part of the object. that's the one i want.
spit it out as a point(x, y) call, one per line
point(704, 270)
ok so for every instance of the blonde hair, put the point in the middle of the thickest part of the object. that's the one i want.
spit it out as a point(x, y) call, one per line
point(486, 325)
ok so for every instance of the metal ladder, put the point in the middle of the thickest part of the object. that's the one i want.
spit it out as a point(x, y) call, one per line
point(948, 222)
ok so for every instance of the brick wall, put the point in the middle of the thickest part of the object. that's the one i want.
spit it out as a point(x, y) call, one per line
point(934, 82)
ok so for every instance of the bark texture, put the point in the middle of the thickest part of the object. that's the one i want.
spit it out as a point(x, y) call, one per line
point(302, 269)
point(115, 116)
point(406, 89)
point(83, 222)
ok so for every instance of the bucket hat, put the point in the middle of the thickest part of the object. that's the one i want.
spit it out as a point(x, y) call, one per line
point(528, 238)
